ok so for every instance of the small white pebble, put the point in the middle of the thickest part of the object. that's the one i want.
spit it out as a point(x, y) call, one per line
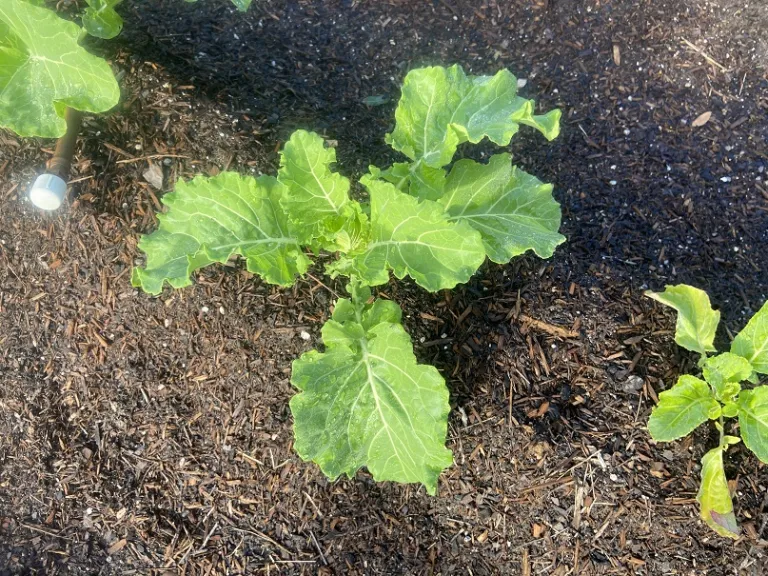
point(305, 335)
point(222, 310)
point(626, 132)
point(521, 82)
point(725, 179)
point(613, 478)
point(167, 322)
point(204, 309)
point(613, 182)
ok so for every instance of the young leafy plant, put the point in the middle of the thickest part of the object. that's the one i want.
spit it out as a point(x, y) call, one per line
point(365, 401)
point(43, 70)
point(719, 395)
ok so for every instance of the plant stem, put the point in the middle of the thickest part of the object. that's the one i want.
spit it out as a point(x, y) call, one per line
point(65, 148)
point(722, 431)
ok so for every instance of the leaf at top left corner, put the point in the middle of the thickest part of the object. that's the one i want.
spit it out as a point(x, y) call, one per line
point(43, 70)
point(209, 220)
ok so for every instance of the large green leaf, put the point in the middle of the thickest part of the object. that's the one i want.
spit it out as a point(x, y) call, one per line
point(209, 220)
point(753, 420)
point(752, 342)
point(366, 402)
point(100, 18)
point(714, 496)
point(724, 372)
point(413, 238)
point(441, 107)
point(681, 409)
point(696, 320)
point(513, 211)
point(317, 200)
point(43, 70)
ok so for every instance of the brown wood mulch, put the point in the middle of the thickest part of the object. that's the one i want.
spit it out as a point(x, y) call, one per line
point(147, 435)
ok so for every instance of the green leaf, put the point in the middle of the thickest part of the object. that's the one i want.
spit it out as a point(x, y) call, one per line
point(714, 496)
point(752, 342)
point(209, 220)
point(366, 402)
point(418, 179)
point(101, 20)
point(696, 320)
point(681, 409)
point(317, 201)
point(242, 5)
point(43, 70)
point(513, 211)
point(413, 238)
point(753, 420)
point(441, 107)
point(724, 372)
point(730, 409)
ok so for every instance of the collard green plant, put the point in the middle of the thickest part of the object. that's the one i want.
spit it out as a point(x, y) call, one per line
point(365, 401)
point(43, 70)
point(693, 401)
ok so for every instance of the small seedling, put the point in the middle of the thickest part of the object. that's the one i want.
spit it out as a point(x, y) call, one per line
point(365, 401)
point(719, 395)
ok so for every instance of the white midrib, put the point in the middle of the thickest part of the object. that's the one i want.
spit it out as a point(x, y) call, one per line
point(372, 385)
point(686, 411)
point(320, 184)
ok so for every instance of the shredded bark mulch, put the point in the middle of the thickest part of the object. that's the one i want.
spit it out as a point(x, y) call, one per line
point(148, 435)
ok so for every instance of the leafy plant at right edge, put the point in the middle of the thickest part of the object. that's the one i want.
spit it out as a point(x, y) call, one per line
point(365, 401)
point(719, 395)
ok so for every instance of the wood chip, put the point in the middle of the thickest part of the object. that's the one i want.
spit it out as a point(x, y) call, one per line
point(117, 546)
point(702, 119)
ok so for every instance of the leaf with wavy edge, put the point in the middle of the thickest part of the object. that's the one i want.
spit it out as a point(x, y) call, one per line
point(366, 402)
point(209, 220)
point(724, 372)
point(317, 200)
point(513, 211)
point(101, 20)
point(714, 497)
point(415, 239)
point(417, 179)
point(752, 342)
point(442, 107)
point(681, 409)
point(43, 70)
point(753, 420)
point(696, 320)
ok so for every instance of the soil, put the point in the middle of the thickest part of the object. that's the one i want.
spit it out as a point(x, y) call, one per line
point(148, 435)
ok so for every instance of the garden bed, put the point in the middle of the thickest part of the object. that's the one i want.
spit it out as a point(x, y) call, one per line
point(152, 435)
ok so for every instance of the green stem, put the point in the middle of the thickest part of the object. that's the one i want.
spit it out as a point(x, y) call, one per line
point(722, 432)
